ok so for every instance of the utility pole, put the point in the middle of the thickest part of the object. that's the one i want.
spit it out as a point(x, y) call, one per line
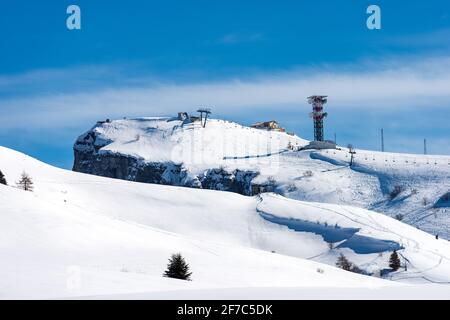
point(424, 146)
point(335, 141)
point(382, 140)
point(352, 152)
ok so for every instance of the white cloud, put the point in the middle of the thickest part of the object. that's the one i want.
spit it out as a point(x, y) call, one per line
point(390, 84)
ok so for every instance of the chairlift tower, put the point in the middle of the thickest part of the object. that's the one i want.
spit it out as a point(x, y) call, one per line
point(352, 152)
point(318, 115)
point(205, 111)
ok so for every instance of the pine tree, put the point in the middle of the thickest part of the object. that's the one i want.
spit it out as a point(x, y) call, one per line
point(356, 269)
point(343, 263)
point(25, 182)
point(394, 261)
point(2, 178)
point(178, 268)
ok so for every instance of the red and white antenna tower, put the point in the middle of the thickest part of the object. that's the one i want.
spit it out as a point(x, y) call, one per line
point(318, 115)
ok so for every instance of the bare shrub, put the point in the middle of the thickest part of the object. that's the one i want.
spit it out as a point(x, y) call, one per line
point(25, 182)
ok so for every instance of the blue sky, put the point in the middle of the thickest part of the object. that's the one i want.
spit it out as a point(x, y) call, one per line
point(251, 61)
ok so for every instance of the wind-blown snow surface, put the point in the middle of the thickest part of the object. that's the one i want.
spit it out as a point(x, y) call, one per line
point(81, 235)
point(170, 140)
point(422, 180)
point(319, 176)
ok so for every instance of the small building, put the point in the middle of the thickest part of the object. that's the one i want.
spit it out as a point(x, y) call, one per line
point(183, 116)
point(271, 125)
point(186, 118)
point(104, 121)
point(320, 145)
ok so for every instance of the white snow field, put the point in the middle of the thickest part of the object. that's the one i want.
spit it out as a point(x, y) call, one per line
point(182, 142)
point(80, 235)
point(319, 176)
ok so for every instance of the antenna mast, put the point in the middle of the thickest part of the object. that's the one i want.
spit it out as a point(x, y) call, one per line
point(318, 115)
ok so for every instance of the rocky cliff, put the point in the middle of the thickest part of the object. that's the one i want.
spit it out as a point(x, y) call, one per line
point(90, 158)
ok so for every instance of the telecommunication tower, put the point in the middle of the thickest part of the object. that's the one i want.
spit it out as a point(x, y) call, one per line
point(318, 115)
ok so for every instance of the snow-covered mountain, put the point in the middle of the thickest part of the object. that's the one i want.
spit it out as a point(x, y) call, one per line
point(221, 156)
point(84, 235)
point(227, 156)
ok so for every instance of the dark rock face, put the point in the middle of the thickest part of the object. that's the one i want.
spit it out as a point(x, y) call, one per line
point(124, 167)
point(238, 181)
point(89, 159)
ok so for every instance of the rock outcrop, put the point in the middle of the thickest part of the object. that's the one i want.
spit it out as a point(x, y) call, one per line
point(89, 158)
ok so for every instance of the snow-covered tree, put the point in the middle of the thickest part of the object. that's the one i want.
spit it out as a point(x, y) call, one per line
point(25, 182)
point(177, 268)
point(343, 263)
point(394, 261)
point(2, 178)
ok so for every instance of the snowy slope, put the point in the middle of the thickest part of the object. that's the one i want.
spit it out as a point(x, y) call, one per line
point(42, 243)
point(171, 140)
point(364, 236)
point(319, 176)
point(423, 180)
point(119, 234)
point(428, 292)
